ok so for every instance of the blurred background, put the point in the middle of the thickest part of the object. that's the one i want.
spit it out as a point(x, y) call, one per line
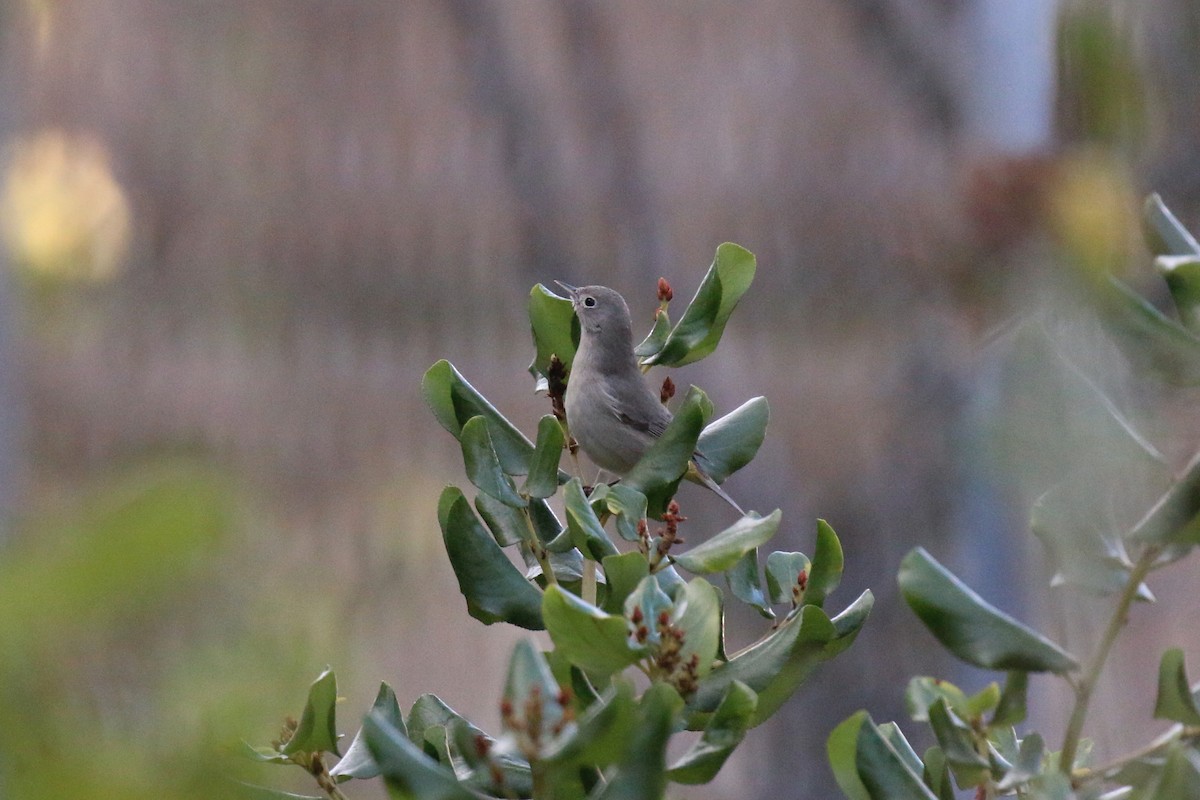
point(237, 233)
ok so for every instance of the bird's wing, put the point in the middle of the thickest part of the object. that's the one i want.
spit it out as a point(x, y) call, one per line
point(642, 413)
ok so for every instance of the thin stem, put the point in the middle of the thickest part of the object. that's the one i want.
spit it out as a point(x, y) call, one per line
point(589, 581)
point(1087, 682)
point(1172, 733)
point(539, 550)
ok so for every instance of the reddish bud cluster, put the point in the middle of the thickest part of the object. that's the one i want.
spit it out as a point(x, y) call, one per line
point(667, 391)
point(665, 293)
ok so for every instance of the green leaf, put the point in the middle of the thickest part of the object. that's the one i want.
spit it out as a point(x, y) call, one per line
point(746, 584)
point(483, 465)
point(698, 614)
point(641, 773)
point(494, 589)
point(1174, 520)
point(507, 524)
point(1028, 764)
point(1175, 700)
point(1165, 235)
point(722, 734)
point(731, 442)
point(555, 329)
point(1180, 775)
point(867, 767)
point(699, 329)
point(787, 577)
point(357, 763)
point(406, 769)
point(969, 627)
point(937, 774)
point(776, 665)
point(827, 565)
point(453, 402)
point(530, 684)
point(589, 638)
point(630, 507)
point(657, 337)
point(954, 737)
point(923, 692)
point(602, 733)
point(1150, 339)
point(1011, 708)
point(623, 573)
point(892, 734)
point(1182, 274)
point(542, 480)
point(983, 701)
point(659, 471)
point(642, 610)
point(724, 550)
point(587, 533)
point(317, 731)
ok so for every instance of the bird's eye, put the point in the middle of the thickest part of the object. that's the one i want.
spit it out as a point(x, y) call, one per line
point(590, 302)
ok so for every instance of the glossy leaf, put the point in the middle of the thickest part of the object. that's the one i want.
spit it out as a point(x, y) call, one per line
point(776, 665)
point(640, 774)
point(969, 627)
point(507, 524)
point(542, 480)
point(657, 337)
point(317, 731)
point(1175, 700)
point(724, 550)
point(453, 402)
point(699, 329)
point(588, 637)
point(630, 507)
point(1165, 234)
point(587, 533)
point(358, 763)
point(731, 442)
point(827, 565)
point(787, 577)
point(494, 589)
point(555, 329)
point(698, 613)
point(659, 471)
point(623, 573)
point(722, 734)
point(892, 734)
point(746, 584)
point(406, 769)
point(483, 465)
point(867, 767)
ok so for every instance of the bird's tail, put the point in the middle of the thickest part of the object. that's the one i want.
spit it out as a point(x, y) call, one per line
point(698, 475)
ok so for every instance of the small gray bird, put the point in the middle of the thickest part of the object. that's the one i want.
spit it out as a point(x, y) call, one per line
point(612, 413)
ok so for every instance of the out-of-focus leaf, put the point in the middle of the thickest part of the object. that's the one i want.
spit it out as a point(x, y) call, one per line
point(1165, 234)
point(867, 767)
point(746, 584)
point(427, 713)
point(787, 577)
point(724, 550)
point(357, 763)
point(542, 480)
point(657, 337)
point(1150, 339)
point(923, 692)
point(453, 402)
point(731, 442)
point(1180, 776)
point(586, 531)
point(623, 573)
point(697, 612)
point(827, 565)
point(485, 771)
point(483, 465)
point(406, 769)
point(530, 689)
point(1175, 700)
point(494, 589)
point(1175, 518)
point(969, 627)
point(1182, 274)
point(776, 665)
point(555, 329)
point(247, 791)
point(630, 507)
point(699, 329)
point(722, 734)
point(602, 733)
point(937, 774)
point(954, 737)
point(317, 731)
point(640, 774)
point(1011, 708)
point(1028, 764)
point(892, 734)
point(659, 471)
point(588, 637)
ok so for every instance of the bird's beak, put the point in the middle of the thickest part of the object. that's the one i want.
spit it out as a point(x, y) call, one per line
point(573, 291)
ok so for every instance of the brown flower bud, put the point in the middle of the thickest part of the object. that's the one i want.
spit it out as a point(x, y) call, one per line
point(665, 292)
point(667, 391)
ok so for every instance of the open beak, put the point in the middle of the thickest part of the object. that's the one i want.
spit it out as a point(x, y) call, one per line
point(573, 291)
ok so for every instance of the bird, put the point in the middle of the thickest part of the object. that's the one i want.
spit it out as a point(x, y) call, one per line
point(611, 412)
